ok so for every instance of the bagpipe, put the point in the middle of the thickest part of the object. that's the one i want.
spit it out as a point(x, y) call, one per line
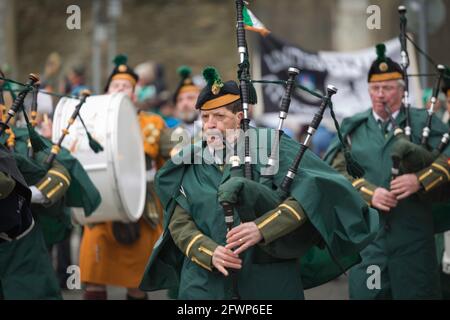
point(33, 117)
point(407, 156)
point(35, 142)
point(251, 199)
point(39, 159)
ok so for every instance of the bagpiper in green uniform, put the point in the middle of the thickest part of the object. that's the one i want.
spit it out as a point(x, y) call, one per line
point(194, 252)
point(404, 249)
point(65, 184)
point(444, 209)
point(26, 271)
point(188, 130)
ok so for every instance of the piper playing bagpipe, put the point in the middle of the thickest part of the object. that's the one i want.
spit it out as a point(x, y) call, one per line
point(196, 253)
point(404, 248)
point(27, 271)
point(53, 188)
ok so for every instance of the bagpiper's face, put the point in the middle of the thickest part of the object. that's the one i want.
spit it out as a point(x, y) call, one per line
point(185, 106)
point(216, 123)
point(389, 92)
point(121, 85)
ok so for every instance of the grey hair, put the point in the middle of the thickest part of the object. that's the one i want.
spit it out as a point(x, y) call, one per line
point(401, 83)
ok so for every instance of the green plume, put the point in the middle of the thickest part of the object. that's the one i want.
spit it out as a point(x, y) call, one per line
point(184, 72)
point(211, 76)
point(120, 59)
point(381, 52)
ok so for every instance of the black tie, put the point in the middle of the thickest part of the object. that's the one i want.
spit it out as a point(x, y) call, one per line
point(384, 126)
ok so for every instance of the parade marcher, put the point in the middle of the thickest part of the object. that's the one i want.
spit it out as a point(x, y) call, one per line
point(26, 271)
point(53, 187)
point(404, 249)
point(195, 255)
point(440, 238)
point(115, 253)
point(184, 98)
point(75, 81)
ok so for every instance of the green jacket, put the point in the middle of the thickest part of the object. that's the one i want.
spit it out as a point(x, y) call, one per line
point(26, 271)
point(64, 185)
point(345, 224)
point(81, 193)
point(11, 181)
point(404, 248)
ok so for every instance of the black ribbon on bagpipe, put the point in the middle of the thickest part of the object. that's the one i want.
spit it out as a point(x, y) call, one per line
point(56, 148)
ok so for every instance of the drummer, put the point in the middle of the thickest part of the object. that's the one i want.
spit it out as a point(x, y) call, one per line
point(116, 253)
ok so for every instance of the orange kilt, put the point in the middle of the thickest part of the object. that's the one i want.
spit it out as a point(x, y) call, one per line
point(105, 261)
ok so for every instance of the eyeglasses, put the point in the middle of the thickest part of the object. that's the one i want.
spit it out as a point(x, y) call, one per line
point(377, 88)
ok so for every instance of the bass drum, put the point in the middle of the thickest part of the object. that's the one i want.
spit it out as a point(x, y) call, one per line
point(446, 258)
point(118, 171)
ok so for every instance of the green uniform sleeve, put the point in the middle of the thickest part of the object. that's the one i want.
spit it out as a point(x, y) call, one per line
point(280, 221)
point(435, 175)
point(7, 185)
point(194, 244)
point(365, 188)
point(54, 184)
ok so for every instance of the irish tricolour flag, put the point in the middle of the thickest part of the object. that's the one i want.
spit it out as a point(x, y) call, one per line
point(252, 23)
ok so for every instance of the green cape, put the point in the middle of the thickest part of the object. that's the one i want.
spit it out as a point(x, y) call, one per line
point(332, 205)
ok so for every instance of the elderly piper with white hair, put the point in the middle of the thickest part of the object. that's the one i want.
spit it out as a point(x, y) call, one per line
point(401, 262)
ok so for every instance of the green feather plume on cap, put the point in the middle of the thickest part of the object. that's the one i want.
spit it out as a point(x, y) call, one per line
point(120, 59)
point(213, 80)
point(211, 76)
point(381, 52)
point(184, 72)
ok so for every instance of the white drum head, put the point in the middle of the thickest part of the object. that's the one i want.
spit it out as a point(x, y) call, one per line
point(119, 171)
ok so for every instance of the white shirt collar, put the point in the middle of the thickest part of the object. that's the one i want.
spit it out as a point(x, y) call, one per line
point(377, 117)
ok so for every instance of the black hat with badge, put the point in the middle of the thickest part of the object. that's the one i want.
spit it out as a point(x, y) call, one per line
point(216, 93)
point(186, 83)
point(122, 71)
point(384, 68)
